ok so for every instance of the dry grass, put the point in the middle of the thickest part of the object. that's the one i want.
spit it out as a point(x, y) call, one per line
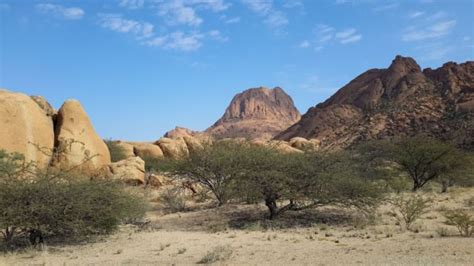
point(229, 235)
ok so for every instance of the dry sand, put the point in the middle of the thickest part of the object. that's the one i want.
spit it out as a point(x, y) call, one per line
point(186, 238)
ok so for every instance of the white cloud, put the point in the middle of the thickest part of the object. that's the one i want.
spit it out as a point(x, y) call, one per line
point(438, 30)
point(434, 51)
point(345, 33)
point(132, 4)
point(214, 5)
point(352, 38)
point(386, 7)
point(178, 41)
point(416, 14)
point(272, 17)
point(216, 35)
point(117, 23)
point(69, 13)
point(232, 20)
point(176, 12)
point(262, 7)
point(276, 19)
point(305, 44)
point(293, 4)
point(348, 36)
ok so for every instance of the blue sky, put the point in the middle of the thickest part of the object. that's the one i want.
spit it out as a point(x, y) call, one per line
point(141, 67)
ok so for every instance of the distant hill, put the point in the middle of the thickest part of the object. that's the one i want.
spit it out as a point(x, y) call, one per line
point(258, 113)
point(397, 101)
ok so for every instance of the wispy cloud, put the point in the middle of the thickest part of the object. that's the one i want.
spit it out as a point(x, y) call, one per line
point(293, 4)
point(348, 36)
point(132, 4)
point(438, 30)
point(232, 20)
point(433, 51)
point(276, 19)
point(386, 7)
point(416, 14)
point(117, 23)
point(178, 12)
point(326, 34)
point(217, 35)
point(265, 8)
point(68, 13)
point(305, 44)
point(178, 41)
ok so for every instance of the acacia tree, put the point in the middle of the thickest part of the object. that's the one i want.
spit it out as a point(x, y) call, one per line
point(214, 167)
point(299, 181)
point(425, 159)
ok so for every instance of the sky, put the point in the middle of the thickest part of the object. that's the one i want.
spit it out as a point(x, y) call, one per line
point(142, 67)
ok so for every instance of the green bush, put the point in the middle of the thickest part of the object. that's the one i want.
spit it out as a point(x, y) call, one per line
point(463, 221)
point(64, 208)
point(408, 209)
point(173, 199)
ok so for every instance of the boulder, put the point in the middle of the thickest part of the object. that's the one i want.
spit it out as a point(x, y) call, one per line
point(144, 150)
point(44, 104)
point(283, 146)
point(25, 127)
point(193, 143)
point(77, 142)
point(157, 181)
point(173, 148)
point(305, 144)
point(126, 148)
point(130, 171)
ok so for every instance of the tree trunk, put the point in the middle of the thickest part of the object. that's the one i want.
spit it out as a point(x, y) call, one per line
point(272, 208)
point(445, 184)
point(9, 232)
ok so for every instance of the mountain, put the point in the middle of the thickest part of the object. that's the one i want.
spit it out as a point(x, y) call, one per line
point(256, 113)
point(398, 101)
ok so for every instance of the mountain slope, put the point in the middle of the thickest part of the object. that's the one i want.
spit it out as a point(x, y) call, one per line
point(399, 100)
point(256, 113)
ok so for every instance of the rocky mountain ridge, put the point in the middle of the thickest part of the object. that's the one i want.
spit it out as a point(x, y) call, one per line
point(397, 101)
point(257, 113)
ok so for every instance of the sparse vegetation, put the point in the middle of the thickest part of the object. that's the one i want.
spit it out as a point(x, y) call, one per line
point(173, 199)
point(463, 221)
point(408, 209)
point(44, 205)
point(220, 253)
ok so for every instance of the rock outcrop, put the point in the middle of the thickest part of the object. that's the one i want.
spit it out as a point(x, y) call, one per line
point(130, 171)
point(25, 128)
point(173, 148)
point(256, 113)
point(398, 101)
point(147, 150)
point(77, 141)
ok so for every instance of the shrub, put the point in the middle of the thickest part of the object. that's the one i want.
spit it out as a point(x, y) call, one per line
point(116, 152)
point(214, 167)
point(65, 208)
point(220, 253)
point(408, 209)
point(173, 199)
point(423, 159)
point(463, 221)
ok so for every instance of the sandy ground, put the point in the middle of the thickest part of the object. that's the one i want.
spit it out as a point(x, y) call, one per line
point(329, 239)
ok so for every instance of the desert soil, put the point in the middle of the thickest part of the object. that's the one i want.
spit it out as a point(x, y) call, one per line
point(319, 237)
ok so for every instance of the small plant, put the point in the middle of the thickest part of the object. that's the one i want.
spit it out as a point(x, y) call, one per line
point(173, 199)
point(470, 202)
point(181, 251)
point(443, 232)
point(220, 253)
point(463, 221)
point(408, 209)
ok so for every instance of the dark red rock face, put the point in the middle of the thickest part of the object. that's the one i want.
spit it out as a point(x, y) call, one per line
point(399, 100)
point(256, 113)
